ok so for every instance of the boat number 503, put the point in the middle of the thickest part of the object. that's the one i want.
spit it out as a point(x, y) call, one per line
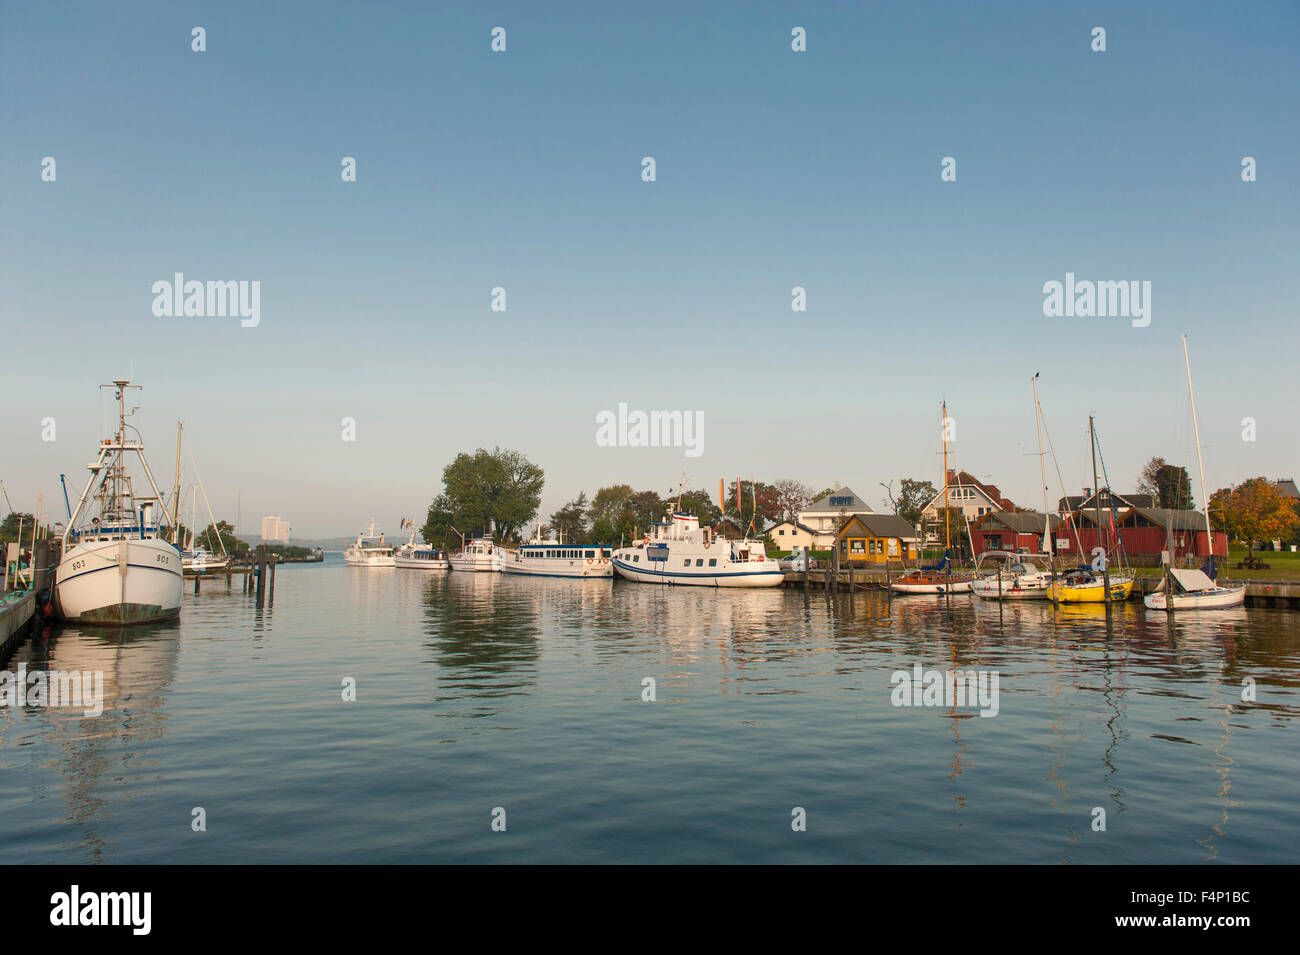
point(163, 559)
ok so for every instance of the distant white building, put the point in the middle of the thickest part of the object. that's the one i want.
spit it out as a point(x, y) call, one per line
point(275, 530)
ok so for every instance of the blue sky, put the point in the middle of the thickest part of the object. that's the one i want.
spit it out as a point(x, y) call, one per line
point(522, 169)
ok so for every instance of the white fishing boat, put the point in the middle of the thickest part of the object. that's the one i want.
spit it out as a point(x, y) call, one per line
point(1195, 589)
point(118, 568)
point(679, 551)
point(415, 556)
point(198, 561)
point(370, 550)
point(479, 555)
point(1015, 577)
point(552, 558)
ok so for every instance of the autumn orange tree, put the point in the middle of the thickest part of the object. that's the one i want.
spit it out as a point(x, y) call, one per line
point(1253, 511)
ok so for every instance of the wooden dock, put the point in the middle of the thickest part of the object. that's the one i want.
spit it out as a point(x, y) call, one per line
point(15, 614)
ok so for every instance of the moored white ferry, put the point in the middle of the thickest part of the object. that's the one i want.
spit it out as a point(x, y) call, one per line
point(370, 550)
point(553, 559)
point(679, 551)
point(118, 569)
point(415, 556)
point(479, 555)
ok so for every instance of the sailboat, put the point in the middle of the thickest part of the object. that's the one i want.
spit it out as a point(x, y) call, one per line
point(1195, 589)
point(938, 578)
point(1086, 585)
point(118, 569)
point(1022, 576)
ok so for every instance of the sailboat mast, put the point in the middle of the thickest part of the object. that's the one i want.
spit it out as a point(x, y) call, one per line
point(176, 487)
point(1096, 490)
point(1042, 468)
point(1200, 461)
point(943, 428)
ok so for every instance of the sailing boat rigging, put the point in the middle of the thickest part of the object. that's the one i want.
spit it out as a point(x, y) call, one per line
point(938, 578)
point(1195, 589)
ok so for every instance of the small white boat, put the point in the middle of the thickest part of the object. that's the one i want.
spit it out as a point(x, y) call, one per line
point(479, 555)
point(1017, 577)
point(552, 559)
point(118, 569)
point(415, 556)
point(1195, 591)
point(199, 561)
point(370, 550)
point(679, 551)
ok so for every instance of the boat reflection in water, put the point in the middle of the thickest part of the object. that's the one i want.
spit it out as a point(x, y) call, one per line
point(96, 766)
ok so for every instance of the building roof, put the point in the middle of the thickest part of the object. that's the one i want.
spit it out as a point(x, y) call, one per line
point(882, 525)
point(842, 499)
point(1180, 520)
point(966, 479)
point(1287, 488)
point(1075, 502)
point(1021, 522)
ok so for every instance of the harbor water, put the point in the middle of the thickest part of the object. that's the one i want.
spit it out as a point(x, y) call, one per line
point(773, 734)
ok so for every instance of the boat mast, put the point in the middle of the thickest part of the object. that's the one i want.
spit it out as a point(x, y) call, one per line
point(943, 428)
point(176, 488)
point(1042, 468)
point(1200, 461)
point(1096, 498)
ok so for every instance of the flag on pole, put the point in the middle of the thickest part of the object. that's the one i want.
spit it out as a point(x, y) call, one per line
point(722, 498)
point(740, 510)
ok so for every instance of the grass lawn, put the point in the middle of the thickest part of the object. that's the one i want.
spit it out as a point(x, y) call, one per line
point(1282, 565)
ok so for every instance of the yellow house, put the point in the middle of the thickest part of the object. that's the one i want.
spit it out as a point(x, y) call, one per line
point(875, 539)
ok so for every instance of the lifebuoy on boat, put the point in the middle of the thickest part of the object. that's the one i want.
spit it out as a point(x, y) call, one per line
point(589, 560)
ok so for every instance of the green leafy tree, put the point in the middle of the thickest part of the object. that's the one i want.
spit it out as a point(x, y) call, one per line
point(609, 504)
point(912, 498)
point(498, 490)
point(1173, 487)
point(569, 523)
point(218, 536)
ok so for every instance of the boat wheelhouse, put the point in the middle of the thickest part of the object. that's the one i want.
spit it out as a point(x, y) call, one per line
point(415, 556)
point(1015, 577)
point(679, 551)
point(479, 555)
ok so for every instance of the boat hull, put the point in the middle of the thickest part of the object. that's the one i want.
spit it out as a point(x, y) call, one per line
point(1093, 593)
point(111, 583)
point(478, 563)
point(1012, 589)
point(735, 576)
point(1219, 599)
point(415, 563)
point(370, 561)
point(932, 584)
point(576, 568)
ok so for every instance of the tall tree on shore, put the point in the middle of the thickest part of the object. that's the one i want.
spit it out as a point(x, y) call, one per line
point(498, 490)
point(1254, 511)
point(1147, 480)
point(1174, 487)
point(569, 523)
point(791, 496)
point(913, 495)
point(609, 503)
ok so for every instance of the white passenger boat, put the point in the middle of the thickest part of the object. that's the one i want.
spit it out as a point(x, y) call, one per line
point(1196, 589)
point(117, 568)
point(679, 551)
point(1016, 577)
point(479, 555)
point(370, 550)
point(415, 556)
point(552, 559)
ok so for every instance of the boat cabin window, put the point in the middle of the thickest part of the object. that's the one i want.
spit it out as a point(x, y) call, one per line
point(713, 562)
